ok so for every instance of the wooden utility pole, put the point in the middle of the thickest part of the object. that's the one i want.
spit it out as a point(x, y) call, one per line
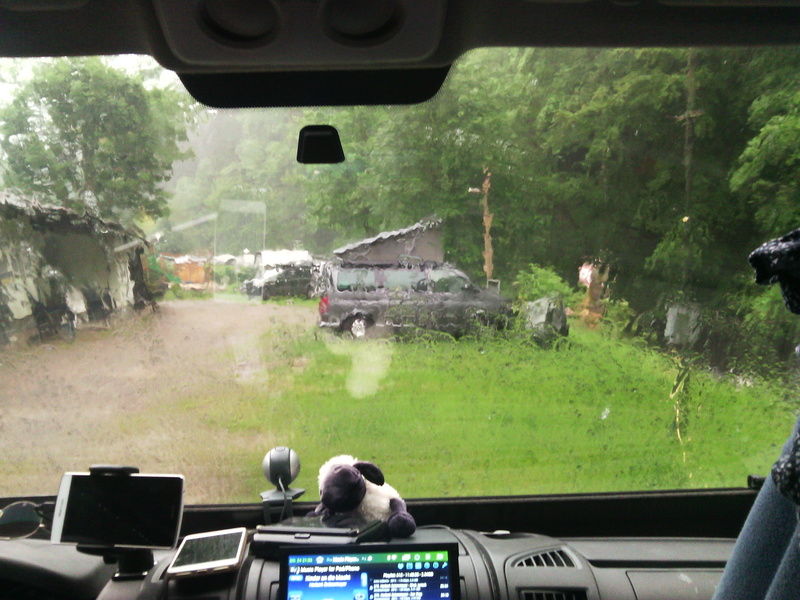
point(488, 253)
point(688, 118)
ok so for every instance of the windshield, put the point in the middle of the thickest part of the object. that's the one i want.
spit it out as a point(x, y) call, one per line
point(448, 281)
point(602, 204)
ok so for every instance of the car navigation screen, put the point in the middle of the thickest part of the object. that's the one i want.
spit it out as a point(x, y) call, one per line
point(385, 572)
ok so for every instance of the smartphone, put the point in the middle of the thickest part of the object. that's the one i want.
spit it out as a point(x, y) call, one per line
point(209, 553)
point(119, 511)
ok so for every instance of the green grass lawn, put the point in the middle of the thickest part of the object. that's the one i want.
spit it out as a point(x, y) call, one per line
point(495, 417)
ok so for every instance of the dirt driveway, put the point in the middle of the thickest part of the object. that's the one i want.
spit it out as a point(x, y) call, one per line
point(106, 397)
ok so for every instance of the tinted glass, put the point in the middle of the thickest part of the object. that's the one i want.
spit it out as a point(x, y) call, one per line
point(403, 279)
point(355, 280)
point(448, 281)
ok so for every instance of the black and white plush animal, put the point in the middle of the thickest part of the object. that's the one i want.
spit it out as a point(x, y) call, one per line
point(351, 490)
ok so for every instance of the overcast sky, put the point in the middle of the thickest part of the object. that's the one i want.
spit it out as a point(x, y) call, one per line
point(14, 70)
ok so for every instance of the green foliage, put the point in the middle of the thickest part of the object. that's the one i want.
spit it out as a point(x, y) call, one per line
point(176, 292)
point(766, 335)
point(157, 272)
point(243, 156)
point(765, 174)
point(679, 256)
point(537, 282)
point(232, 275)
point(159, 278)
point(245, 273)
point(587, 153)
point(224, 274)
point(618, 316)
point(589, 159)
point(767, 171)
point(587, 150)
point(84, 135)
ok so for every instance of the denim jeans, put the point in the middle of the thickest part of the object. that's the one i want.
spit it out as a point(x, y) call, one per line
point(766, 558)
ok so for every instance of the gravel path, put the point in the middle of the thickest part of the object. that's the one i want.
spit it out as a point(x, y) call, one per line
point(102, 398)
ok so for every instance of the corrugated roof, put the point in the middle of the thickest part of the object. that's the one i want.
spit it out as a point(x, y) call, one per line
point(50, 216)
point(420, 227)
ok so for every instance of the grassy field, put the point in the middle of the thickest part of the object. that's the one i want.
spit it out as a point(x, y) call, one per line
point(495, 416)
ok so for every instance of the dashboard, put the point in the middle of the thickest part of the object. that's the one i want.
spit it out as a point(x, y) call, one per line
point(637, 545)
point(492, 565)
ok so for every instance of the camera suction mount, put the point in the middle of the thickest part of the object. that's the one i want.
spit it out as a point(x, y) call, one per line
point(281, 466)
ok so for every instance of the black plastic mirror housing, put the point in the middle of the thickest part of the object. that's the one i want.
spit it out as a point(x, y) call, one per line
point(319, 144)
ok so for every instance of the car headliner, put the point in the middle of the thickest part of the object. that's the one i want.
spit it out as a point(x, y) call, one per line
point(298, 61)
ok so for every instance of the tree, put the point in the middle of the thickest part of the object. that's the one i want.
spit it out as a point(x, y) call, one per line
point(244, 156)
point(89, 137)
point(622, 155)
point(766, 174)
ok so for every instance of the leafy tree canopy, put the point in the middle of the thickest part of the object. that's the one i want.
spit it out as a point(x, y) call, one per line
point(84, 135)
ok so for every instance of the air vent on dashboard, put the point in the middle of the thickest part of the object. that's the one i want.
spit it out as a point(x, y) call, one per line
point(548, 558)
point(552, 595)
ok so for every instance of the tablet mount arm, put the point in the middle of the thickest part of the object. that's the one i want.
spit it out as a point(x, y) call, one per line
point(133, 563)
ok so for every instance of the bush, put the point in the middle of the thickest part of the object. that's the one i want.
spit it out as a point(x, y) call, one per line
point(231, 274)
point(156, 272)
point(761, 334)
point(245, 273)
point(618, 316)
point(539, 282)
point(224, 274)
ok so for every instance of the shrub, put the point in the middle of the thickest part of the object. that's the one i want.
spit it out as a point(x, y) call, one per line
point(538, 282)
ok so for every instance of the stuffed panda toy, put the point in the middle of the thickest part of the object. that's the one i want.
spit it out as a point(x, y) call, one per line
point(353, 491)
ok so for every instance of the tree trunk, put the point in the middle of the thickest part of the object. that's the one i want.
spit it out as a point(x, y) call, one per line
point(488, 253)
point(688, 152)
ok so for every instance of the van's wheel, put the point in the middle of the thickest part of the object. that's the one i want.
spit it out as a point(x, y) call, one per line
point(357, 326)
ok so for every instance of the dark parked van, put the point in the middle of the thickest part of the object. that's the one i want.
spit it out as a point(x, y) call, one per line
point(439, 297)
